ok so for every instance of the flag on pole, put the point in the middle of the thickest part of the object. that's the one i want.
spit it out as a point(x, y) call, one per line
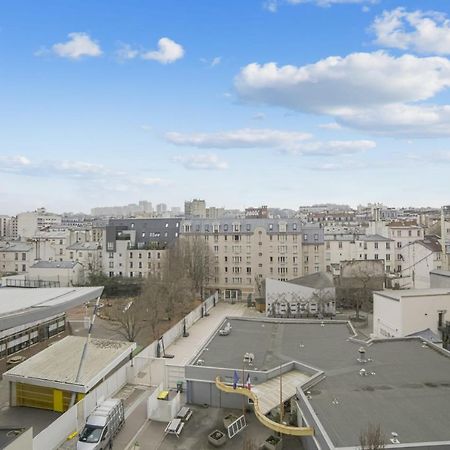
point(248, 383)
point(235, 379)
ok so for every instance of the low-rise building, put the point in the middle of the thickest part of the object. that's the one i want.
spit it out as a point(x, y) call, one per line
point(48, 379)
point(400, 313)
point(65, 273)
point(15, 257)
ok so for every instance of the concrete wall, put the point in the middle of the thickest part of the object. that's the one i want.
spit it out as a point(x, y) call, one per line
point(420, 313)
point(392, 318)
point(440, 279)
point(387, 317)
point(22, 442)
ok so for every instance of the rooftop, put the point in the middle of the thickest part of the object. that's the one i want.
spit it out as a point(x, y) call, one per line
point(57, 365)
point(19, 306)
point(55, 265)
point(318, 280)
point(396, 294)
point(373, 238)
point(407, 382)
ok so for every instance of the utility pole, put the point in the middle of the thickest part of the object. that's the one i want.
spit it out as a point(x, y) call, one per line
point(281, 394)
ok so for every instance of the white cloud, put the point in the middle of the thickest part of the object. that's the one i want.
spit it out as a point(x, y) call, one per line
point(372, 91)
point(272, 5)
point(330, 148)
point(98, 174)
point(330, 126)
point(202, 162)
point(259, 116)
point(168, 52)
point(125, 52)
point(242, 138)
point(216, 61)
point(292, 142)
point(423, 32)
point(78, 45)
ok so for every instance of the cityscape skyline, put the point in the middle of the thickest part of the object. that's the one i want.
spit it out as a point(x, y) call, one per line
point(275, 102)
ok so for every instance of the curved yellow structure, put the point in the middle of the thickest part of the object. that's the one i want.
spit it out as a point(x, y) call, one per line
point(275, 426)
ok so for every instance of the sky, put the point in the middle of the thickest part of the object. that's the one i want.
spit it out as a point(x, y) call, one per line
point(241, 103)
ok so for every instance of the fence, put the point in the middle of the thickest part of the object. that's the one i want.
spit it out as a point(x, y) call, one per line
point(74, 418)
point(151, 370)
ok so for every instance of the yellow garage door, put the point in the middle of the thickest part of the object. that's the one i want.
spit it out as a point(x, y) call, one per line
point(43, 397)
point(34, 396)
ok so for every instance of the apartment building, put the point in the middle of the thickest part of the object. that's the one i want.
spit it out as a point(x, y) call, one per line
point(28, 223)
point(246, 251)
point(8, 227)
point(15, 257)
point(136, 247)
point(195, 208)
point(419, 258)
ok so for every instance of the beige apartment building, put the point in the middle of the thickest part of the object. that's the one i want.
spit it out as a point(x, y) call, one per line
point(15, 257)
point(246, 251)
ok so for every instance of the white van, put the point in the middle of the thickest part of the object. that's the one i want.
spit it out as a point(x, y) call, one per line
point(102, 425)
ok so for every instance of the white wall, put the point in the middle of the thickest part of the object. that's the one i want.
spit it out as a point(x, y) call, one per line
point(386, 317)
point(420, 313)
point(411, 314)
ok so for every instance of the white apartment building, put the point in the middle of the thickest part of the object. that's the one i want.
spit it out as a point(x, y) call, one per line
point(246, 251)
point(136, 247)
point(29, 223)
point(131, 262)
point(400, 313)
point(8, 227)
point(347, 247)
point(418, 259)
point(15, 257)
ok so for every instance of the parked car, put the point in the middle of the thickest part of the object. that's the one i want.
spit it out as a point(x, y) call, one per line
point(102, 425)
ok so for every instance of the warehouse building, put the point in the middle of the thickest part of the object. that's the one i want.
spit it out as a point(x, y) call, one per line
point(48, 380)
point(32, 315)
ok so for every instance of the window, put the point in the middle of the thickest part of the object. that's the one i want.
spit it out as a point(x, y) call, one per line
point(316, 237)
point(305, 237)
point(270, 226)
point(340, 245)
point(131, 254)
point(418, 233)
point(24, 256)
point(388, 257)
point(249, 270)
point(388, 245)
point(225, 227)
point(248, 227)
point(399, 233)
point(410, 233)
point(376, 255)
point(294, 226)
point(24, 268)
point(376, 245)
point(399, 245)
point(167, 225)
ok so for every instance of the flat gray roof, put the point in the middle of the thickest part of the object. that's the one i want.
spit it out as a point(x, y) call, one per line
point(274, 342)
point(19, 306)
point(57, 365)
point(408, 392)
point(397, 294)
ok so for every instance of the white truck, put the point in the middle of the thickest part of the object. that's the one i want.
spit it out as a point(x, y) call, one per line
point(102, 425)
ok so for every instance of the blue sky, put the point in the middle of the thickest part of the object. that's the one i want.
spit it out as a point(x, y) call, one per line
point(279, 102)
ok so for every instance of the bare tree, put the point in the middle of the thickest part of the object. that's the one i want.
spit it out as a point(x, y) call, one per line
point(129, 319)
point(198, 263)
point(323, 298)
point(373, 438)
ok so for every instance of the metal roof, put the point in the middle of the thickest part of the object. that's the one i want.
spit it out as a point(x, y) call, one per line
point(55, 265)
point(57, 365)
point(19, 306)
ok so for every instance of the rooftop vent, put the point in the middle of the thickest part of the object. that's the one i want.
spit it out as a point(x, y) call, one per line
point(200, 362)
point(362, 355)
